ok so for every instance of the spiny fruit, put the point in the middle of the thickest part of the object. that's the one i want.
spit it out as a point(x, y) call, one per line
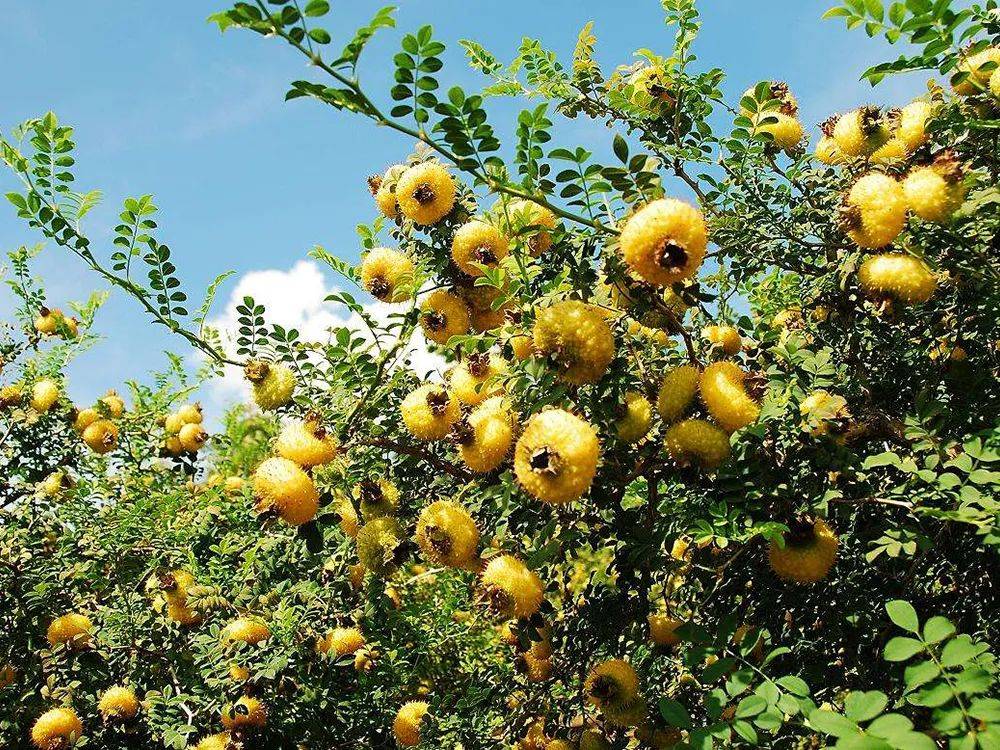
point(612, 684)
point(307, 443)
point(245, 630)
point(977, 79)
point(188, 413)
point(218, 741)
point(484, 438)
point(101, 436)
point(192, 437)
point(118, 703)
point(425, 193)
point(556, 457)
point(631, 714)
point(273, 384)
point(576, 337)
point(383, 189)
point(280, 485)
point(821, 411)
point(377, 542)
point(861, 132)
point(430, 411)
point(476, 378)
point(447, 534)
point(911, 124)
point(663, 629)
point(898, 276)
point(376, 498)
point(636, 415)
point(83, 418)
point(443, 315)
point(54, 322)
point(893, 150)
point(478, 243)
point(664, 241)
point(809, 551)
point(724, 396)
point(695, 441)
point(72, 629)
point(591, 739)
point(247, 711)
point(341, 641)
point(827, 151)
point(995, 83)
point(775, 90)
point(677, 392)
point(726, 338)
point(55, 729)
point(406, 725)
point(387, 274)
point(44, 394)
point(874, 211)
point(785, 129)
point(522, 214)
point(935, 192)
point(510, 588)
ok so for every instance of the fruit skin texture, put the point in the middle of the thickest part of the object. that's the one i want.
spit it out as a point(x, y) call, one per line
point(406, 725)
point(274, 388)
point(245, 712)
point(468, 380)
point(577, 338)
point(787, 131)
point(341, 641)
point(662, 630)
point(44, 394)
point(492, 434)
point(56, 724)
point(677, 391)
point(385, 194)
point(119, 702)
point(805, 561)
point(697, 441)
point(85, 418)
point(305, 443)
point(893, 150)
point(377, 541)
point(828, 152)
point(664, 241)
point(899, 276)
point(726, 338)
point(931, 196)
point(525, 213)
point(512, 589)
point(192, 437)
point(383, 271)
point(722, 391)
point(633, 425)
point(429, 412)
point(612, 684)
point(875, 210)
point(245, 630)
point(861, 132)
point(478, 243)
point(377, 499)
point(101, 436)
point(214, 742)
point(447, 534)
point(425, 193)
point(995, 83)
point(280, 484)
point(591, 739)
point(978, 78)
point(72, 629)
point(556, 458)
point(912, 127)
point(820, 411)
point(443, 315)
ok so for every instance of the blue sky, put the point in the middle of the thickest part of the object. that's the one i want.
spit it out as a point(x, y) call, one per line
point(165, 104)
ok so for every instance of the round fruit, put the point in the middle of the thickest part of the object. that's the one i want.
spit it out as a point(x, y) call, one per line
point(387, 274)
point(637, 414)
point(447, 534)
point(809, 551)
point(662, 630)
point(245, 630)
point(193, 437)
point(84, 418)
point(677, 392)
point(828, 152)
point(383, 189)
point(44, 394)
point(523, 214)
point(118, 703)
point(425, 193)
point(280, 485)
point(664, 241)
point(875, 210)
point(72, 629)
point(575, 336)
point(861, 132)
point(443, 315)
point(821, 411)
point(726, 338)
point(510, 588)
point(612, 684)
point(934, 193)
point(478, 243)
point(476, 379)
point(977, 79)
point(485, 437)
point(430, 411)
point(189, 413)
point(214, 742)
point(341, 642)
point(406, 725)
point(786, 130)
point(306, 443)
point(556, 457)
point(245, 712)
point(273, 384)
point(56, 728)
point(911, 126)
point(377, 542)
point(377, 499)
point(901, 277)
point(695, 441)
point(725, 398)
point(101, 436)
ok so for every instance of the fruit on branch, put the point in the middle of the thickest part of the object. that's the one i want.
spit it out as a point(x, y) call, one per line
point(677, 392)
point(874, 211)
point(485, 437)
point(341, 642)
point(215, 742)
point(781, 123)
point(977, 79)
point(725, 338)
point(636, 414)
point(406, 725)
point(911, 124)
point(246, 712)
point(192, 437)
point(56, 729)
point(897, 276)
point(893, 151)
point(697, 442)
point(307, 443)
point(118, 703)
point(55, 323)
point(576, 338)
point(387, 274)
point(426, 193)
point(376, 499)
point(478, 243)
point(72, 629)
point(862, 132)
point(510, 588)
point(519, 215)
point(101, 436)
point(430, 411)
point(273, 383)
point(477, 378)
point(725, 397)
point(280, 486)
point(823, 412)
point(663, 629)
point(383, 189)
point(245, 630)
point(44, 394)
point(936, 191)
point(556, 457)
point(809, 551)
point(443, 315)
point(612, 684)
point(447, 534)
point(664, 241)
point(377, 542)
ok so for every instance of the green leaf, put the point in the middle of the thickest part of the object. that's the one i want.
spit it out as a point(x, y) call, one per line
point(315, 8)
point(794, 685)
point(674, 713)
point(829, 722)
point(750, 706)
point(937, 629)
point(904, 615)
point(902, 648)
point(959, 651)
point(320, 36)
point(932, 696)
point(864, 706)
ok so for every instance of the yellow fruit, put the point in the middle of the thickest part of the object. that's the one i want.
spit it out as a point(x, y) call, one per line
point(679, 387)
point(631, 714)
point(560, 745)
point(510, 588)
point(341, 641)
point(901, 277)
point(662, 630)
point(44, 394)
point(821, 411)
point(934, 193)
point(406, 725)
point(429, 412)
point(726, 338)
point(637, 415)
point(56, 728)
point(182, 614)
point(387, 274)
point(664, 241)
point(280, 485)
point(911, 127)
point(377, 541)
point(523, 214)
point(612, 684)
point(575, 336)
point(118, 703)
point(995, 83)
point(214, 742)
point(53, 484)
point(447, 534)
point(777, 90)
point(193, 437)
point(556, 457)
point(489, 319)
point(978, 79)
point(522, 345)
point(377, 499)
point(383, 189)
point(786, 129)
point(233, 485)
point(875, 210)
point(695, 441)
point(306, 443)
point(810, 550)
point(478, 243)
point(190, 414)
point(828, 152)
point(172, 423)
point(173, 445)
point(725, 398)
point(787, 319)
point(893, 150)
point(475, 380)
point(425, 193)
point(485, 437)
point(101, 436)
point(245, 712)
point(54, 322)
point(273, 384)
point(72, 629)
point(245, 630)
point(84, 418)
point(443, 315)
point(861, 132)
